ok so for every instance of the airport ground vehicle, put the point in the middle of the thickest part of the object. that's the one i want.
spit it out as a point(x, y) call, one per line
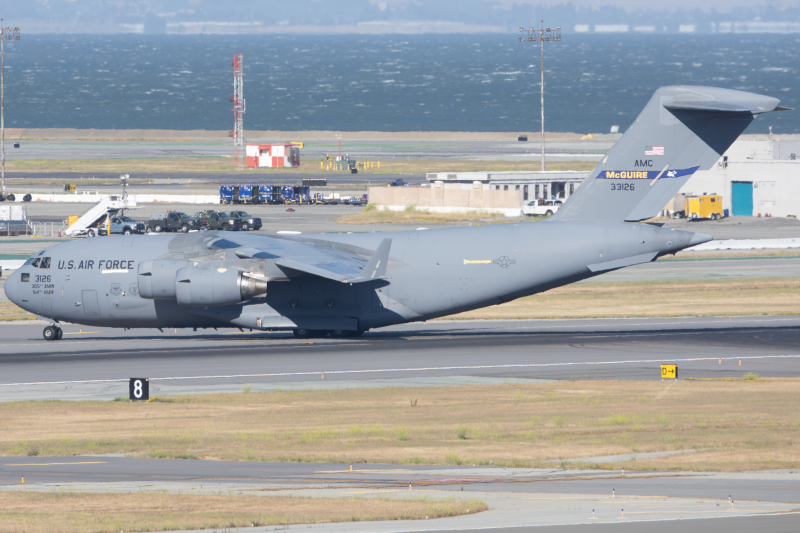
point(121, 225)
point(541, 207)
point(172, 221)
point(704, 206)
point(248, 222)
point(342, 284)
point(218, 220)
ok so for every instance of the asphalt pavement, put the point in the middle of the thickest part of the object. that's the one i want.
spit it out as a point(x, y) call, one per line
point(96, 363)
point(518, 499)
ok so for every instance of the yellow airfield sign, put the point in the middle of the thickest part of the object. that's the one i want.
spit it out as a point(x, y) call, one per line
point(669, 371)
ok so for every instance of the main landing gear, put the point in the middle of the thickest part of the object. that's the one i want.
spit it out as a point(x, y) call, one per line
point(319, 333)
point(52, 333)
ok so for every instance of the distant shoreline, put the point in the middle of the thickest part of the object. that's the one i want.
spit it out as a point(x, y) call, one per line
point(13, 134)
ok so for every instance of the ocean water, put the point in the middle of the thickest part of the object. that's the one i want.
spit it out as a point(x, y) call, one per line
point(485, 82)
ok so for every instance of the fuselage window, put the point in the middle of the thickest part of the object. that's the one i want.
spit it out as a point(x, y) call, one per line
point(25, 277)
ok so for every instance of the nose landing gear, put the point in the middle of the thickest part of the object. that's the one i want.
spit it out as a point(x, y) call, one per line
point(52, 333)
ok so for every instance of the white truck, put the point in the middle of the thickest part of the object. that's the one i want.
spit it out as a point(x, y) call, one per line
point(541, 207)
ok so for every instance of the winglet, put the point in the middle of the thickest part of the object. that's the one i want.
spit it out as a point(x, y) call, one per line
point(376, 266)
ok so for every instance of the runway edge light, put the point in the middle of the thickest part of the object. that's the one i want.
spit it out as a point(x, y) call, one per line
point(669, 371)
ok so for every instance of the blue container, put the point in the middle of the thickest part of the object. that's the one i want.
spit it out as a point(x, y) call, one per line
point(725, 213)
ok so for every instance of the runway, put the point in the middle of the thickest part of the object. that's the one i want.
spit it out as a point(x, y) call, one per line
point(313, 151)
point(517, 497)
point(96, 362)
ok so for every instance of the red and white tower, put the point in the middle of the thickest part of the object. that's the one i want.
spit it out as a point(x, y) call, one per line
point(238, 114)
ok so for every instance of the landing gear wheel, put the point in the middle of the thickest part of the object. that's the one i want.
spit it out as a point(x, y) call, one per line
point(302, 333)
point(60, 334)
point(309, 333)
point(50, 333)
point(340, 333)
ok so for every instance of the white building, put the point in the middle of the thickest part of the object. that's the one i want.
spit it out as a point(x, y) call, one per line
point(757, 176)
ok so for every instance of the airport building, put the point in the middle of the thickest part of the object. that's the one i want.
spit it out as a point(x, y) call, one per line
point(757, 176)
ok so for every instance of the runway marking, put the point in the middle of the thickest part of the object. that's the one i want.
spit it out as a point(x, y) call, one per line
point(418, 369)
point(56, 464)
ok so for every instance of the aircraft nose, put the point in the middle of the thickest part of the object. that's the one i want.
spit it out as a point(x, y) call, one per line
point(11, 287)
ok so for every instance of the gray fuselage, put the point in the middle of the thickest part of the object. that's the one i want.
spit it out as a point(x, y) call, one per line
point(431, 273)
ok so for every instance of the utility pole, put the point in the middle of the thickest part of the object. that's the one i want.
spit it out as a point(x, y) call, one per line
point(542, 35)
point(239, 155)
point(6, 34)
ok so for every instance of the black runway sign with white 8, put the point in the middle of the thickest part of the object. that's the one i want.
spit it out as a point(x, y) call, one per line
point(139, 389)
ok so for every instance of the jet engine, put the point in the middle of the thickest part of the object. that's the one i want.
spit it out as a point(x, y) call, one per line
point(157, 278)
point(216, 286)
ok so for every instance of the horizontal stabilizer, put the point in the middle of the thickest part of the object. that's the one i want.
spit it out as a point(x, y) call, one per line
point(624, 262)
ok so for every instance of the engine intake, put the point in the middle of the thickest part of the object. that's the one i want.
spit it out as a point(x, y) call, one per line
point(221, 286)
point(156, 278)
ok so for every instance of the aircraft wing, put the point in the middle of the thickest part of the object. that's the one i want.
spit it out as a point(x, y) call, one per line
point(312, 258)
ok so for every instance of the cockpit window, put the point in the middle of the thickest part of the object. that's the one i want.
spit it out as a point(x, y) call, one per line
point(35, 263)
point(45, 263)
point(28, 262)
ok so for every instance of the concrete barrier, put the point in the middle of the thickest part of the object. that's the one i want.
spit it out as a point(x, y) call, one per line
point(93, 198)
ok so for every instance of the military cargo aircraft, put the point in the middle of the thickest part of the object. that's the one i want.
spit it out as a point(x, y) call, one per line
point(345, 284)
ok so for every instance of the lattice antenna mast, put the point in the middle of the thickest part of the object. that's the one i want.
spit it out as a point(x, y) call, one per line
point(6, 34)
point(545, 34)
point(239, 157)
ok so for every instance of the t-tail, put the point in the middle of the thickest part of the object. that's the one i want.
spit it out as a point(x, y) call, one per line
point(682, 129)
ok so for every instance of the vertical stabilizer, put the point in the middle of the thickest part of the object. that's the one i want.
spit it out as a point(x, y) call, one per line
point(681, 130)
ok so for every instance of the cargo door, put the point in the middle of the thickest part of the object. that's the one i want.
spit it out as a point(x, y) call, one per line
point(89, 303)
point(742, 198)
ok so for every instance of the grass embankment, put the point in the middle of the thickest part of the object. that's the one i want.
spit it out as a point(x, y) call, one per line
point(724, 297)
point(760, 296)
point(69, 512)
point(185, 165)
point(744, 424)
point(412, 215)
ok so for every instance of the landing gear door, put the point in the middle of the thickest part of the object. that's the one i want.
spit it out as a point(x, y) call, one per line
point(380, 296)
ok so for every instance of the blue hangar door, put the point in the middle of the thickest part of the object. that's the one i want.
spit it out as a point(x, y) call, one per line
point(742, 198)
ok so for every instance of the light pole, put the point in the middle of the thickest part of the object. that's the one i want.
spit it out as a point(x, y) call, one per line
point(542, 35)
point(6, 34)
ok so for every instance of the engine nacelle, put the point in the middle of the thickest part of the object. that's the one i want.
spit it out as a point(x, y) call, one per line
point(220, 286)
point(156, 278)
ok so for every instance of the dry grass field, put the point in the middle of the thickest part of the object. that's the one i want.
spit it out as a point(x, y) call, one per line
point(762, 296)
point(742, 424)
point(412, 215)
point(225, 165)
point(71, 512)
